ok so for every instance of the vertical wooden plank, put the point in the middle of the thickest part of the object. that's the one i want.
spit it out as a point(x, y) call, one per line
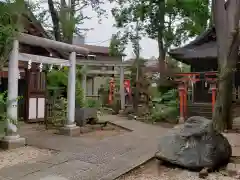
point(27, 95)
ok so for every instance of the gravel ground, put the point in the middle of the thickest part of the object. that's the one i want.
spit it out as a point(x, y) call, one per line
point(105, 133)
point(25, 154)
point(152, 171)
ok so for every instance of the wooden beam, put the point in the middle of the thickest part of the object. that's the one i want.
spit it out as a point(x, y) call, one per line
point(47, 43)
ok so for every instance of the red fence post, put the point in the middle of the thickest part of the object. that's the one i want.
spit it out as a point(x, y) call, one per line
point(213, 88)
point(181, 90)
point(185, 101)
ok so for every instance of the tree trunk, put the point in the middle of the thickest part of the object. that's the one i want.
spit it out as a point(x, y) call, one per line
point(161, 48)
point(222, 116)
point(138, 74)
point(226, 19)
point(55, 20)
point(222, 113)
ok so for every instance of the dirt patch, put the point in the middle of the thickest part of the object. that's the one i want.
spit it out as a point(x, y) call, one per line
point(152, 170)
point(25, 154)
point(99, 132)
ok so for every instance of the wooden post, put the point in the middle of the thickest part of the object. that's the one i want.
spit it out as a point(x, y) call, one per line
point(181, 102)
point(213, 88)
point(185, 94)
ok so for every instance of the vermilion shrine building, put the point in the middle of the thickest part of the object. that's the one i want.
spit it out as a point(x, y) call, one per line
point(197, 89)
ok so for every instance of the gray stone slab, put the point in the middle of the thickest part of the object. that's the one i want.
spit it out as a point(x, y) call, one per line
point(59, 158)
point(21, 170)
point(98, 171)
point(127, 167)
point(103, 154)
point(64, 170)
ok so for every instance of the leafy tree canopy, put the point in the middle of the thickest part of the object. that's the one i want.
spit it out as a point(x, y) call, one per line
point(170, 22)
point(10, 25)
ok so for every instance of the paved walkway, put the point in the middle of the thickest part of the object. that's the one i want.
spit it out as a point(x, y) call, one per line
point(84, 159)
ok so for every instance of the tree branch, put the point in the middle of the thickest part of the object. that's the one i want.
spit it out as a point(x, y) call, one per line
point(55, 20)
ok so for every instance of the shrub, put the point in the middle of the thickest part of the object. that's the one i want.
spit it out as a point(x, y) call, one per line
point(59, 113)
point(165, 107)
point(92, 103)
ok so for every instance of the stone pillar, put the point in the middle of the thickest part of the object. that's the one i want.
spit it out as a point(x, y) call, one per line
point(70, 127)
point(84, 86)
point(122, 93)
point(11, 138)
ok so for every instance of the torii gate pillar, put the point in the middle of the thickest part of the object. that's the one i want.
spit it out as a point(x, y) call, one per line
point(70, 127)
point(11, 139)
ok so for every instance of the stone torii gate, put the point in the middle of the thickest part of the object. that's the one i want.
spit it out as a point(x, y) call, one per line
point(120, 64)
point(12, 138)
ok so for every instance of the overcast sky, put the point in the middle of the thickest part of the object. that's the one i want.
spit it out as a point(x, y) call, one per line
point(105, 30)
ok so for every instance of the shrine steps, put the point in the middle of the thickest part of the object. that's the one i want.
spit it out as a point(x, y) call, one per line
point(200, 109)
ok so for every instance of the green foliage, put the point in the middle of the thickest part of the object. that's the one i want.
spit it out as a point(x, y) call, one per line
point(79, 94)
point(10, 25)
point(57, 78)
point(165, 107)
point(164, 113)
point(117, 44)
point(4, 104)
point(59, 112)
point(170, 22)
point(58, 81)
point(91, 103)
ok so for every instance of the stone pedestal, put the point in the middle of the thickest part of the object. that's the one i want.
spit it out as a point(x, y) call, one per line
point(70, 130)
point(181, 120)
point(12, 142)
point(121, 113)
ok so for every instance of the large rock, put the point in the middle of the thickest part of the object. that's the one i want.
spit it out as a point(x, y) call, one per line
point(195, 145)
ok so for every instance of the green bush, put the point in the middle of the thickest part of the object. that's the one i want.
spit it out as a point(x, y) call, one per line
point(92, 103)
point(165, 107)
point(59, 113)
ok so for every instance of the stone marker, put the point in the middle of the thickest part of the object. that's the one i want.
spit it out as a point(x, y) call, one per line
point(194, 145)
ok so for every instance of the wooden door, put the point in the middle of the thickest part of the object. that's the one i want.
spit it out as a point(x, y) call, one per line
point(35, 105)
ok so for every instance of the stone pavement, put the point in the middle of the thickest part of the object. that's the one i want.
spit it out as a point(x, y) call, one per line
point(81, 158)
